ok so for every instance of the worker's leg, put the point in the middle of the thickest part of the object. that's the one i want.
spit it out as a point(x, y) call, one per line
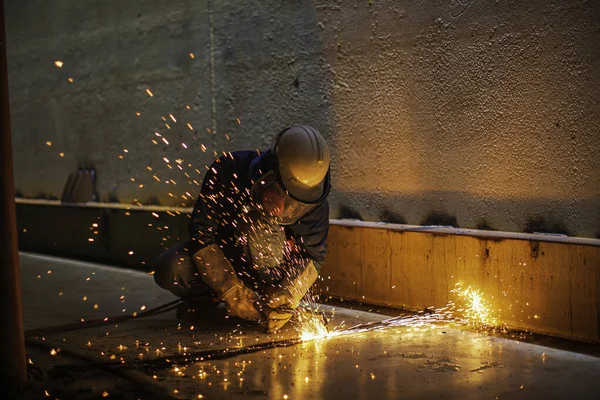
point(174, 270)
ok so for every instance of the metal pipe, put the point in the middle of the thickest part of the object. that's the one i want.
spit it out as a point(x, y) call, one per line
point(12, 341)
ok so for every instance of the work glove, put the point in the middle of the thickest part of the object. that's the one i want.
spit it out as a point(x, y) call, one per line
point(218, 273)
point(277, 318)
point(242, 303)
point(282, 303)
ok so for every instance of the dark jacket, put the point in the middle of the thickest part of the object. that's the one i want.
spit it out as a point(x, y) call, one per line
point(223, 211)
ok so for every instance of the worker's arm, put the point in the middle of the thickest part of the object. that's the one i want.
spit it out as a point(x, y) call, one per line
point(212, 264)
point(310, 235)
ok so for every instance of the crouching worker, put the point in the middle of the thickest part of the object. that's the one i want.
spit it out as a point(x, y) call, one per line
point(258, 230)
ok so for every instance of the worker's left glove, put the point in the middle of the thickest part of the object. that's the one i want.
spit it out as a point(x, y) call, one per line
point(282, 303)
point(218, 273)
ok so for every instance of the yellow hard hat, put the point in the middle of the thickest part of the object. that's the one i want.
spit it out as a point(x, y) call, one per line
point(302, 162)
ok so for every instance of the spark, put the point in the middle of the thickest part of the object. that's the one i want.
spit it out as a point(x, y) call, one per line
point(477, 310)
point(70, 80)
point(190, 126)
point(312, 327)
point(58, 63)
point(172, 117)
point(48, 143)
point(149, 92)
point(191, 55)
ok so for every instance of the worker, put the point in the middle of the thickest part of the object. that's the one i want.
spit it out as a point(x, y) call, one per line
point(258, 230)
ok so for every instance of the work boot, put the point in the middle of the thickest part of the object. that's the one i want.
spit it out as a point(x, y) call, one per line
point(198, 307)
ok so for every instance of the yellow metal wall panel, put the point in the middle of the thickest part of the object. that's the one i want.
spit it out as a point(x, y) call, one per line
point(542, 286)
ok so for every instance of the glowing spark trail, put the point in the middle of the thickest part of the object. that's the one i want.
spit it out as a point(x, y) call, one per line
point(472, 310)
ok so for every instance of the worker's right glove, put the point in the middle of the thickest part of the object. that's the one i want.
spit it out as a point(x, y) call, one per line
point(218, 273)
point(282, 303)
point(277, 318)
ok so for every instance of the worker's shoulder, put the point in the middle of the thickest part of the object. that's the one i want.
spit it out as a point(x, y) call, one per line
point(234, 164)
point(239, 156)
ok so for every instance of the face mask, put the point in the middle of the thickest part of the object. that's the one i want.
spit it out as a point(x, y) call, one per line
point(273, 201)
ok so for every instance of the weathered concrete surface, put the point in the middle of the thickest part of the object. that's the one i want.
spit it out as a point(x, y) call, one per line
point(486, 111)
point(535, 285)
point(426, 361)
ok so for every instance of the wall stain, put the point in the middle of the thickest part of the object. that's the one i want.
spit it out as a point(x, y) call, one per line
point(440, 218)
point(345, 212)
point(539, 224)
point(392, 217)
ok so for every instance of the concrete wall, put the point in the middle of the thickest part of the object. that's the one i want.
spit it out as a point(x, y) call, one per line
point(476, 113)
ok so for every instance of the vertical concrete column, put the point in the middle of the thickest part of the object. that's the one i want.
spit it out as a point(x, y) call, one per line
point(12, 342)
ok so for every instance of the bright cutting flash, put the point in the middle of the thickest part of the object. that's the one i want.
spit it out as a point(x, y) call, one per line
point(313, 329)
point(312, 326)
